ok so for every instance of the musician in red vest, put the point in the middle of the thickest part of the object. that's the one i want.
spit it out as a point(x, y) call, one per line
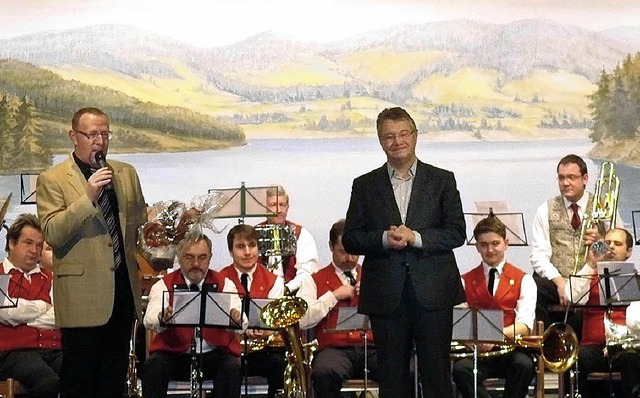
point(170, 357)
point(593, 355)
point(249, 276)
point(29, 341)
point(497, 284)
point(340, 355)
point(292, 268)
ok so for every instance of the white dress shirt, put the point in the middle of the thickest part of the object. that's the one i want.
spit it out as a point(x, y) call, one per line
point(319, 307)
point(35, 313)
point(276, 291)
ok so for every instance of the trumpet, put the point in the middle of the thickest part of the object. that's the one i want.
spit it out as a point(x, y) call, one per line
point(605, 210)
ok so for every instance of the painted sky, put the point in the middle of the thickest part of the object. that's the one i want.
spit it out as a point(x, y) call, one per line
point(207, 23)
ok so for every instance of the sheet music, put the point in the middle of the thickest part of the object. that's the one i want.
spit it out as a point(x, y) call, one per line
point(187, 305)
point(490, 324)
point(255, 310)
point(350, 319)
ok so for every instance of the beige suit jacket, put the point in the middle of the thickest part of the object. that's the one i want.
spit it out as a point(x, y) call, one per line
point(84, 280)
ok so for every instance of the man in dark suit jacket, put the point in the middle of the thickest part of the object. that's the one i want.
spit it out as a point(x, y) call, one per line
point(406, 218)
point(90, 215)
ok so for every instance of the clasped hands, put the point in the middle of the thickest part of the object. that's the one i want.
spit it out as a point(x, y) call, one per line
point(400, 237)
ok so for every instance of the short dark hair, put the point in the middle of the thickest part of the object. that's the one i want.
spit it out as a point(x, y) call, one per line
point(241, 231)
point(628, 238)
point(490, 224)
point(395, 114)
point(336, 231)
point(573, 159)
point(192, 239)
point(81, 112)
point(15, 230)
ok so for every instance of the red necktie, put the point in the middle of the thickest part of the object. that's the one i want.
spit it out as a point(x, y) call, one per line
point(575, 220)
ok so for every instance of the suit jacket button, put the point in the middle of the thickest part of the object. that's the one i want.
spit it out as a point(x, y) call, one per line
point(110, 244)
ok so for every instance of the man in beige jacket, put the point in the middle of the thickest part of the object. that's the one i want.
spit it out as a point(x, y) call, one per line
point(90, 213)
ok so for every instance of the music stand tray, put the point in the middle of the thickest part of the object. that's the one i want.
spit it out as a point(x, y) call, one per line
point(205, 308)
point(619, 282)
point(255, 310)
point(5, 300)
point(478, 325)
point(349, 320)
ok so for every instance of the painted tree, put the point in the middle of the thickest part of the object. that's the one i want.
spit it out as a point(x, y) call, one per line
point(27, 135)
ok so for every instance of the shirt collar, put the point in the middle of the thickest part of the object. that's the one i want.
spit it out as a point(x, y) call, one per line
point(486, 268)
point(86, 169)
point(8, 266)
point(340, 272)
point(412, 170)
point(249, 273)
point(582, 202)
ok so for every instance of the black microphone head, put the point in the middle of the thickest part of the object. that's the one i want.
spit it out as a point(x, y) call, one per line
point(100, 159)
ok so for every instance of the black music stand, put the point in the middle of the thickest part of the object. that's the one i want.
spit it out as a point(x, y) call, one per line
point(619, 283)
point(244, 202)
point(200, 309)
point(635, 218)
point(5, 300)
point(514, 222)
point(350, 320)
point(474, 326)
point(28, 189)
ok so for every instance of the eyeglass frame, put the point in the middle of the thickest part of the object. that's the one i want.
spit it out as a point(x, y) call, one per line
point(106, 136)
point(570, 177)
point(402, 136)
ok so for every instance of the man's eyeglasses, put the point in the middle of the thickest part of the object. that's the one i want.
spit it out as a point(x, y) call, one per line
point(402, 136)
point(570, 178)
point(106, 135)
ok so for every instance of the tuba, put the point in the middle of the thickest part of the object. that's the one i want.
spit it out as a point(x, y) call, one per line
point(283, 314)
point(605, 210)
point(558, 347)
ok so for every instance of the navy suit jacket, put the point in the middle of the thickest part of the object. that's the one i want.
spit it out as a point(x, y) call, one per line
point(435, 211)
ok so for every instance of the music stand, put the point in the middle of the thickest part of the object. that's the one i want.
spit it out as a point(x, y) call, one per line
point(5, 300)
point(244, 202)
point(350, 320)
point(619, 283)
point(635, 215)
point(474, 325)
point(199, 309)
point(514, 222)
point(28, 189)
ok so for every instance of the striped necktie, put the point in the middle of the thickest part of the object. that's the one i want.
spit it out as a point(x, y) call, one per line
point(110, 217)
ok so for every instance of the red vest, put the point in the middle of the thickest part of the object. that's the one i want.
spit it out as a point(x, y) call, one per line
point(326, 280)
point(23, 336)
point(262, 282)
point(593, 318)
point(506, 296)
point(178, 338)
point(290, 266)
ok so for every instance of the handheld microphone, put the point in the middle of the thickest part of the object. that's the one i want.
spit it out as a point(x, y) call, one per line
point(102, 162)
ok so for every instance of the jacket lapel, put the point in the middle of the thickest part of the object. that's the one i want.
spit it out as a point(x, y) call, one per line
point(418, 191)
point(385, 189)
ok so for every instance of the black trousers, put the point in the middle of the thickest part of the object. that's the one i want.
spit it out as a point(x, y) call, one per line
point(269, 363)
point(627, 362)
point(95, 359)
point(37, 370)
point(395, 335)
point(162, 367)
point(516, 368)
point(333, 365)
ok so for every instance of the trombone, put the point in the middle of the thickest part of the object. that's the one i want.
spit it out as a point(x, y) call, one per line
point(605, 210)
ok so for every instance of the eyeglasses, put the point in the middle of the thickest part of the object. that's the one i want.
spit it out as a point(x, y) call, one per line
point(402, 136)
point(106, 135)
point(570, 178)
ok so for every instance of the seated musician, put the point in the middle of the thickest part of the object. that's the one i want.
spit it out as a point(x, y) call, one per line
point(592, 356)
point(292, 268)
point(248, 275)
point(170, 356)
point(497, 284)
point(29, 342)
point(340, 355)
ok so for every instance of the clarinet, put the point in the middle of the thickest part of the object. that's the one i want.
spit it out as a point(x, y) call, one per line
point(196, 373)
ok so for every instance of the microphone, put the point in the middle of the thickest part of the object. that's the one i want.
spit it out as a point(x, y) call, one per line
point(102, 162)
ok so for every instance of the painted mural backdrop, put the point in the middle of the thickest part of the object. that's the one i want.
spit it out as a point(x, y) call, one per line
point(207, 75)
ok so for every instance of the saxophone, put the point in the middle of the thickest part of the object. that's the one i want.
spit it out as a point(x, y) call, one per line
point(283, 314)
